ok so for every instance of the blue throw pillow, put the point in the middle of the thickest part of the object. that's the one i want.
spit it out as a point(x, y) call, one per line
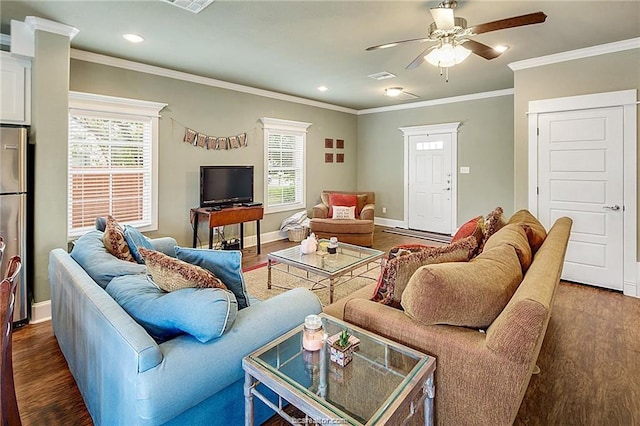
point(135, 239)
point(89, 252)
point(225, 264)
point(204, 313)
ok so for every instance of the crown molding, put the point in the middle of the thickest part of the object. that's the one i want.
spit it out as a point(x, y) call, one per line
point(83, 55)
point(42, 24)
point(602, 49)
point(442, 101)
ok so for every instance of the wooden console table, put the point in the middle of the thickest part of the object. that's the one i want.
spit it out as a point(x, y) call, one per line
point(227, 216)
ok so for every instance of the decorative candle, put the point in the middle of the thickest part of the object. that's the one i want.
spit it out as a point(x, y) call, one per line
point(312, 336)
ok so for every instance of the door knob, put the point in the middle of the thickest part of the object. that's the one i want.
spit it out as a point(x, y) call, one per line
point(615, 207)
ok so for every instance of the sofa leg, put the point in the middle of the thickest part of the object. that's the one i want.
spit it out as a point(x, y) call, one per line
point(536, 370)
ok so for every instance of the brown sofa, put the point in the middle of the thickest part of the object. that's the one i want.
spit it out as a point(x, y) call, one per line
point(358, 231)
point(481, 375)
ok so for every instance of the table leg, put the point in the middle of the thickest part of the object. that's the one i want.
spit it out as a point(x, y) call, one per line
point(258, 234)
point(331, 280)
point(195, 228)
point(248, 400)
point(241, 235)
point(430, 389)
point(269, 274)
point(210, 238)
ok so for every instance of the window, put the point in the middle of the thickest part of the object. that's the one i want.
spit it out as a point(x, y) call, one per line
point(112, 167)
point(284, 143)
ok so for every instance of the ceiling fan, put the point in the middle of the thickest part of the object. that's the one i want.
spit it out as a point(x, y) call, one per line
point(453, 37)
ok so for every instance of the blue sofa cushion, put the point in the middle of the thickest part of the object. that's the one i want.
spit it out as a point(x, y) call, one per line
point(135, 239)
point(204, 313)
point(224, 264)
point(90, 253)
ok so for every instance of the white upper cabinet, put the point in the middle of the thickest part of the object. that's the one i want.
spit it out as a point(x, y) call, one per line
point(15, 90)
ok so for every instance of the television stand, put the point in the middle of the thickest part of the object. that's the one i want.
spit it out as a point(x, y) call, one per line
point(227, 216)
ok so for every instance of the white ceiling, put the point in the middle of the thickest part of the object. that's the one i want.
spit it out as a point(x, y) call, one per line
point(292, 47)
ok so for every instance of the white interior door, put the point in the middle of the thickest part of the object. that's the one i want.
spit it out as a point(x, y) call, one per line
point(580, 175)
point(430, 183)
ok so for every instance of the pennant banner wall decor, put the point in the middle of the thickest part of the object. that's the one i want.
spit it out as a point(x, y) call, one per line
point(212, 142)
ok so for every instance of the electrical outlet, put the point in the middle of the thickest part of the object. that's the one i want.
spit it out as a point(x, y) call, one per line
point(384, 210)
point(464, 170)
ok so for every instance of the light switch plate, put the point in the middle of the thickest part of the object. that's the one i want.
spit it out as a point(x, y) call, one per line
point(464, 170)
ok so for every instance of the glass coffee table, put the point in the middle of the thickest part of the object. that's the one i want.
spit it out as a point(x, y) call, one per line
point(321, 267)
point(385, 383)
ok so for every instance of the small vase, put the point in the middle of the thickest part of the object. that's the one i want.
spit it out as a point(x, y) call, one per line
point(341, 355)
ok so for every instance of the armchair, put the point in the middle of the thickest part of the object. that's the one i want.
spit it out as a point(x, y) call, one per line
point(358, 231)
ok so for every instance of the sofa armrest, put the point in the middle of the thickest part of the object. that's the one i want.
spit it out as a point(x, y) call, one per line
point(213, 366)
point(164, 245)
point(368, 212)
point(320, 211)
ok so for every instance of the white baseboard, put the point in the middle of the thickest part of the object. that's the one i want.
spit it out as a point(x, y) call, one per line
point(40, 312)
point(393, 223)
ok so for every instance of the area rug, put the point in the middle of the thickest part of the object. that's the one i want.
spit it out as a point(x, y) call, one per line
point(256, 281)
point(431, 236)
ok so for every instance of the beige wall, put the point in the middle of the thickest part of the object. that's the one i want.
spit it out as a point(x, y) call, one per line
point(49, 133)
point(219, 112)
point(604, 73)
point(485, 144)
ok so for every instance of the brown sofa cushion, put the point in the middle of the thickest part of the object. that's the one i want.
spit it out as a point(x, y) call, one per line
point(342, 226)
point(403, 261)
point(468, 294)
point(513, 234)
point(536, 233)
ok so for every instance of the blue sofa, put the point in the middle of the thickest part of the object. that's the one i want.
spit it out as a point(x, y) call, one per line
point(126, 377)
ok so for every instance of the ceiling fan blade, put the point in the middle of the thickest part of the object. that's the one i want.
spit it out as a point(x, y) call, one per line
point(516, 21)
point(418, 60)
point(395, 43)
point(480, 49)
point(443, 17)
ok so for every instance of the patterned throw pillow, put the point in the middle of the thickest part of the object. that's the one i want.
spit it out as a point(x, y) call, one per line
point(171, 274)
point(342, 212)
point(403, 261)
point(114, 240)
point(492, 224)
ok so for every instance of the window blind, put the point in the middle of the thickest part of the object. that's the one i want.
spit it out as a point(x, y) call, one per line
point(110, 169)
point(285, 174)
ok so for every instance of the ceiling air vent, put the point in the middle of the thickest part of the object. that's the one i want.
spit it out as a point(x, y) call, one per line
point(195, 6)
point(382, 75)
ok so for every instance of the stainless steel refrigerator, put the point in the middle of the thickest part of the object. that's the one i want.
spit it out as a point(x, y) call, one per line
point(13, 209)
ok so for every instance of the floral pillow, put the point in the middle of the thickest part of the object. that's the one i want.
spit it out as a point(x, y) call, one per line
point(114, 240)
point(171, 274)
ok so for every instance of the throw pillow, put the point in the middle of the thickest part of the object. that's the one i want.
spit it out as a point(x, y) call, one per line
point(336, 199)
point(171, 274)
point(466, 294)
point(135, 240)
point(513, 234)
point(397, 270)
point(342, 212)
point(204, 313)
point(473, 227)
point(101, 223)
point(362, 201)
point(492, 224)
point(225, 264)
point(536, 234)
point(115, 242)
point(91, 254)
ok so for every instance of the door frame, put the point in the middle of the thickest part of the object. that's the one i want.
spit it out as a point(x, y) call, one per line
point(627, 99)
point(433, 129)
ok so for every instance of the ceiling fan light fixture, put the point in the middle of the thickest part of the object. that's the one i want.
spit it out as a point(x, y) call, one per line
point(447, 55)
point(393, 92)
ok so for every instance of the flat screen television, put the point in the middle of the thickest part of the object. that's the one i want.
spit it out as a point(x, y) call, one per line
point(225, 185)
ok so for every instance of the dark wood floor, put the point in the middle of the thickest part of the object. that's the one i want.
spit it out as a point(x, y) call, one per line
point(590, 361)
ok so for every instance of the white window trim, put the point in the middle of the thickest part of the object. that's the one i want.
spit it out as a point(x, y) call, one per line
point(285, 126)
point(128, 107)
